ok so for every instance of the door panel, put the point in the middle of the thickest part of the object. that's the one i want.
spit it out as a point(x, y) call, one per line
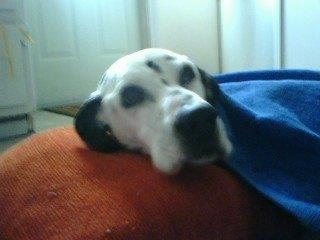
point(58, 38)
point(113, 34)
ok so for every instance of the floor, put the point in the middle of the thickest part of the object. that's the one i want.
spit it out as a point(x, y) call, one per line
point(43, 120)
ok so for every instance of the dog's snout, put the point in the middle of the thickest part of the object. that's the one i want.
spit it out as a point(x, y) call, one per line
point(196, 129)
point(193, 121)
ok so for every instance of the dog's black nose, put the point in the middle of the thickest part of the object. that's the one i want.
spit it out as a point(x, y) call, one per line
point(196, 129)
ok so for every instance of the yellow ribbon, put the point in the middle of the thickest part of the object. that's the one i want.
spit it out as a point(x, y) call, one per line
point(6, 50)
point(27, 36)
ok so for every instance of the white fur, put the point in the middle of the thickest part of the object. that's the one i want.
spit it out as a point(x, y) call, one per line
point(149, 126)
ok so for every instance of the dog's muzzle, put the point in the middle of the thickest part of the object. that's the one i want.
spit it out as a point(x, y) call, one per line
point(196, 130)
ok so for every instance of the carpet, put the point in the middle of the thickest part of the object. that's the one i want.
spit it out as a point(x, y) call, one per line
point(68, 110)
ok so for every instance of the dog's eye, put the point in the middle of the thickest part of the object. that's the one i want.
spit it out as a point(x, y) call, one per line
point(132, 95)
point(186, 75)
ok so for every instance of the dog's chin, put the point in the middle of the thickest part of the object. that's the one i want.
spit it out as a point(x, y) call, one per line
point(172, 166)
point(202, 161)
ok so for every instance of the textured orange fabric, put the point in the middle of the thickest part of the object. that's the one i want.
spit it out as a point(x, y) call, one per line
point(53, 187)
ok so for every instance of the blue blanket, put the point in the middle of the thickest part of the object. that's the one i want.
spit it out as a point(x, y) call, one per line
point(273, 119)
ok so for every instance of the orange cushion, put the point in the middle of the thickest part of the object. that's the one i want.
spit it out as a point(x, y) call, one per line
point(53, 187)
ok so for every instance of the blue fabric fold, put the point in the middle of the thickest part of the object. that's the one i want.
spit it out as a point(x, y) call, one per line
point(273, 121)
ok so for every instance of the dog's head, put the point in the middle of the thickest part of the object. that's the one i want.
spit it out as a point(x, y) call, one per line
point(159, 103)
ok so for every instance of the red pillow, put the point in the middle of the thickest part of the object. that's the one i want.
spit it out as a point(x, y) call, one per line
point(53, 187)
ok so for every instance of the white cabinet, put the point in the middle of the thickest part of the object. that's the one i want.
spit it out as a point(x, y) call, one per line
point(187, 27)
point(16, 85)
point(250, 35)
point(301, 34)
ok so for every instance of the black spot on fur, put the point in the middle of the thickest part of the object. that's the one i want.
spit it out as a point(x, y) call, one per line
point(169, 58)
point(211, 86)
point(97, 135)
point(153, 65)
point(165, 82)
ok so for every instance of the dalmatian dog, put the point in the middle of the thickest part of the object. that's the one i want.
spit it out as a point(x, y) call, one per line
point(159, 103)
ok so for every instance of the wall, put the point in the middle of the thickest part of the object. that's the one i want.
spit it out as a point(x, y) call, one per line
point(187, 27)
point(219, 35)
point(301, 48)
point(248, 35)
point(235, 35)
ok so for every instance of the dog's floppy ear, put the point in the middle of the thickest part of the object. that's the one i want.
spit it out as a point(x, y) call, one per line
point(211, 86)
point(97, 135)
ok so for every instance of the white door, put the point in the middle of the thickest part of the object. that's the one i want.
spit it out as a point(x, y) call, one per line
point(301, 34)
point(76, 40)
